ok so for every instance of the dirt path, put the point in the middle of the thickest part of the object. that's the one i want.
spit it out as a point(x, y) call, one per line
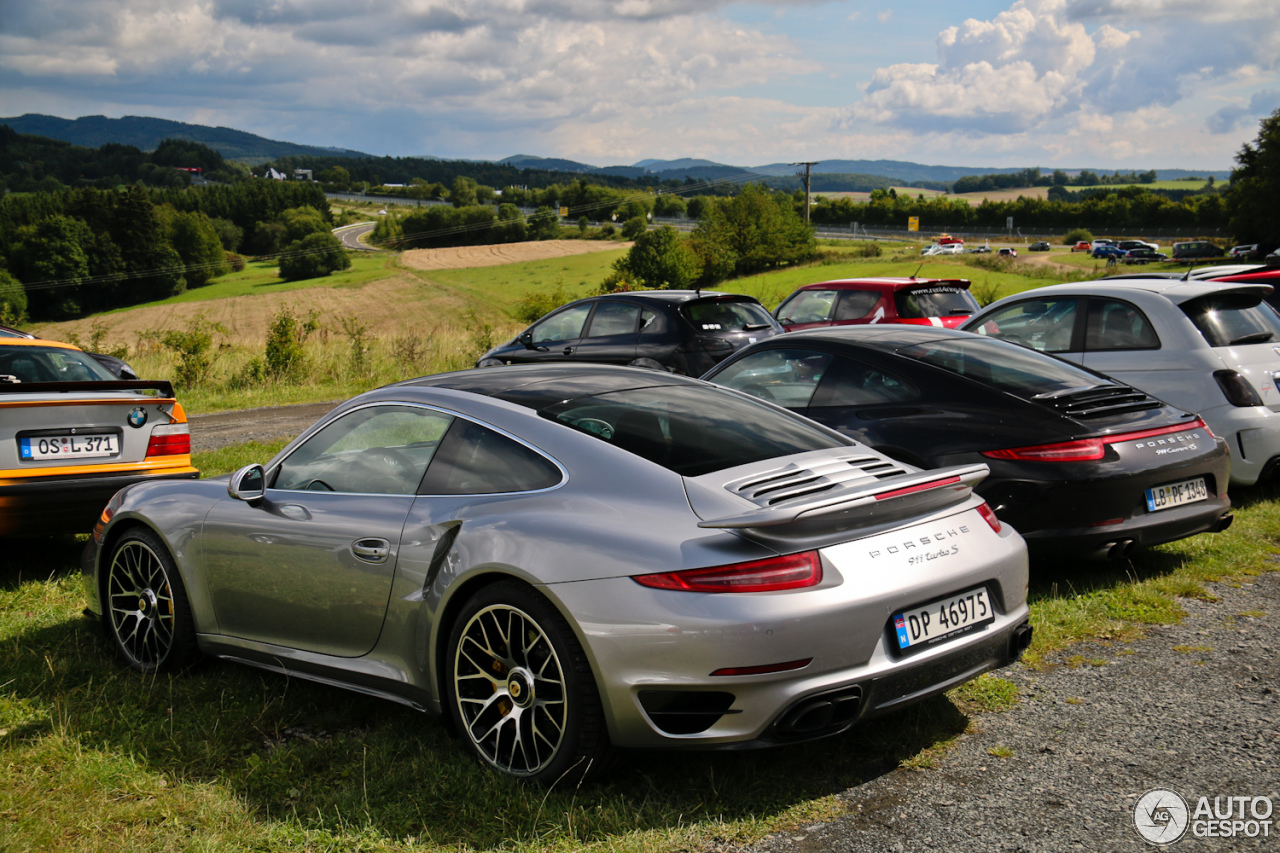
point(461, 257)
point(223, 429)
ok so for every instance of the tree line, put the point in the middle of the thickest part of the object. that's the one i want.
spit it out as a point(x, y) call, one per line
point(73, 252)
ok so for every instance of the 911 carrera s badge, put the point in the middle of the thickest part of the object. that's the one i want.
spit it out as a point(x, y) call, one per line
point(138, 417)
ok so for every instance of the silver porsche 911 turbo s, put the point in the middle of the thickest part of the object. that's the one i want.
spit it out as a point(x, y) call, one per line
point(568, 559)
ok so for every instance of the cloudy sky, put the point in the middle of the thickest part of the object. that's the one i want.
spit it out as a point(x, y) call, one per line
point(1051, 83)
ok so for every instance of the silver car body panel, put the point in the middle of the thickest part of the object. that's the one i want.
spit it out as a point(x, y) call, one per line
point(282, 585)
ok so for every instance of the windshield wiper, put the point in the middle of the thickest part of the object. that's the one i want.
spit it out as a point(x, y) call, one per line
point(1252, 338)
point(755, 327)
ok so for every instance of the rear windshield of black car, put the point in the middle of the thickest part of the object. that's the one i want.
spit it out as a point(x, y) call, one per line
point(1233, 319)
point(1008, 367)
point(935, 302)
point(726, 315)
point(691, 430)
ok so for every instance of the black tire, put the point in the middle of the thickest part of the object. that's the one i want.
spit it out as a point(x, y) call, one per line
point(533, 713)
point(148, 616)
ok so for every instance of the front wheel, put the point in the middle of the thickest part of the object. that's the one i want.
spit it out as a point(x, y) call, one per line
point(520, 689)
point(148, 616)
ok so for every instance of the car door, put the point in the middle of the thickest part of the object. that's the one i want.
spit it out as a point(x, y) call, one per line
point(310, 566)
point(1122, 342)
point(612, 334)
point(553, 338)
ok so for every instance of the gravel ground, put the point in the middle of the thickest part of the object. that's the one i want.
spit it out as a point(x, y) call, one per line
point(1192, 708)
point(212, 431)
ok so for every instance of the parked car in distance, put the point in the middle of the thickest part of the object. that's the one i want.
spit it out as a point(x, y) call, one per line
point(72, 434)
point(1008, 253)
point(120, 368)
point(682, 331)
point(1082, 246)
point(1143, 255)
point(565, 559)
point(1129, 245)
point(980, 250)
point(1101, 241)
point(931, 249)
point(1039, 246)
point(1078, 461)
point(948, 240)
point(1247, 251)
point(1191, 250)
point(1109, 251)
point(1204, 346)
point(917, 301)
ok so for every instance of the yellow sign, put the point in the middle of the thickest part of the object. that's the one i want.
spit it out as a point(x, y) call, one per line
point(564, 211)
point(913, 223)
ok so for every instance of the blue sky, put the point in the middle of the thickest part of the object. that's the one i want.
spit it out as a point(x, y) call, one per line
point(1052, 83)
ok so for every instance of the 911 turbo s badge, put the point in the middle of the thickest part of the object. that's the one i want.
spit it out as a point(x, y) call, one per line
point(138, 417)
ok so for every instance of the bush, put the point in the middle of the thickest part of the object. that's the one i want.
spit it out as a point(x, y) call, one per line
point(285, 338)
point(1077, 235)
point(536, 305)
point(193, 345)
point(13, 300)
point(314, 256)
point(634, 227)
point(661, 259)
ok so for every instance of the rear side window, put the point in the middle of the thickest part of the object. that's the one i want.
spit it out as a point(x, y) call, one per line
point(1233, 319)
point(1116, 325)
point(726, 315)
point(1005, 366)
point(691, 430)
point(936, 302)
point(787, 377)
point(808, 306)
point(856, 304)
point(614, 318)
point(851, 383)
point(475, 460)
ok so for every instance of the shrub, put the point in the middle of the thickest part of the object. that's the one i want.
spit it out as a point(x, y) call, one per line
point(1077, 235)
point(661, 259)
point(13, 300)
point(314, 256)
point(634, 227)
point(536, 305)
point(285, 338)
point(193, 345)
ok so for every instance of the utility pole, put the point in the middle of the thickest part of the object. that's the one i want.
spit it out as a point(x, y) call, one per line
point(807, 166)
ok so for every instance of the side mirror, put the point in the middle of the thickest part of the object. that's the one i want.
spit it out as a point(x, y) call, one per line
point(249, 484)
point(527, 340)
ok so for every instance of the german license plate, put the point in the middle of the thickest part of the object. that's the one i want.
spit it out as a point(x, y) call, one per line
point(1176, 494)
point(36, 448)
point(942, 619)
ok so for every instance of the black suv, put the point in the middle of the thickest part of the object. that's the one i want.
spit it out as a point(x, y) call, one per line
point(683, 331)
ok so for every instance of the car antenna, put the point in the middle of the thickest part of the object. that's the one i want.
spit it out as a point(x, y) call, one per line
point(917, 272)
point(1187, 277)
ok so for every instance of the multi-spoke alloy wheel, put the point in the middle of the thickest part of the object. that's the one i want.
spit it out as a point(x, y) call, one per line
point(521, 690)
point(147, 606)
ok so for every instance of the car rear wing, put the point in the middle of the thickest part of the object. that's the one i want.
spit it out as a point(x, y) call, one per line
point(858, 502)
point(163, 387)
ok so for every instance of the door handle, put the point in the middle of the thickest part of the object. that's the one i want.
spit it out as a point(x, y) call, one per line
point(371, 550)
point(568, 350)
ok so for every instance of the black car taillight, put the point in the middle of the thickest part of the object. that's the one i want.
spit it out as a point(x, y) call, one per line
point(1237, 389)
point(1086, 449)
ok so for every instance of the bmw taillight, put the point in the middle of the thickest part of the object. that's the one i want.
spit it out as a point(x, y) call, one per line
point(1086, 449)
point(1237, 389)
point(793, 571)
point(170, 440)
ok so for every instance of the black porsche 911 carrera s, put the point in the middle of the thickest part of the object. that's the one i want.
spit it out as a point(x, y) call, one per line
point(1080, 463)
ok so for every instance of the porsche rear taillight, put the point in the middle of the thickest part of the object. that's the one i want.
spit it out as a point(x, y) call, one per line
point(1086, 449)
point(170, 440)
point(793, 571)
point(989, 516)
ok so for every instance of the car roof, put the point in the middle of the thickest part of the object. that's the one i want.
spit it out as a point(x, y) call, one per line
point(36, 342)
point(887, 336)
point(886, 284)
point(1175, 290)
point(540, 385)
point(674, 296)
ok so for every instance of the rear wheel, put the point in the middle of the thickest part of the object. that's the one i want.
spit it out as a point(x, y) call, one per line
point(520, 689)
point(148, 616)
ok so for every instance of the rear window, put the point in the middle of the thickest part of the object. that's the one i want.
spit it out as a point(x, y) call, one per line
point(50, 364)
point(1233, 319)
point(936, 302)
point(691, 430)
point(1008, 367)
point(727, 315)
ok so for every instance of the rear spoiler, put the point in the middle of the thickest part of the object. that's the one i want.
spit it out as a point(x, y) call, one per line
point(891, 496)
point(164, 387)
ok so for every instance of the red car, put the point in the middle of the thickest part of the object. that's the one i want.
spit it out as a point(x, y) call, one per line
point(916, 301)
point(947, 240)
point(1082, 246)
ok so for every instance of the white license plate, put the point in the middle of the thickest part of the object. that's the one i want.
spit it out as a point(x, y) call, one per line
point(942, 619)
point(69, 446)
point(1176, 494)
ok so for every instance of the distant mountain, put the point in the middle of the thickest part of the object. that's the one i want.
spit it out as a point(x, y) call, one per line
point(549, 164)
point(147, 133)
point(905, 171)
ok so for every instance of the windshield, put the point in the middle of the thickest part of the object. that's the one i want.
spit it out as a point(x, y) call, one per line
point(691, 430)
point(936, 302)
point(727, 315)
point(50, 364)
point(1008, 367)
point(1231, 319)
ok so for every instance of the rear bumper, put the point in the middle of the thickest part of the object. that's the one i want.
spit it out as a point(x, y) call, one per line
point(41, 506)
